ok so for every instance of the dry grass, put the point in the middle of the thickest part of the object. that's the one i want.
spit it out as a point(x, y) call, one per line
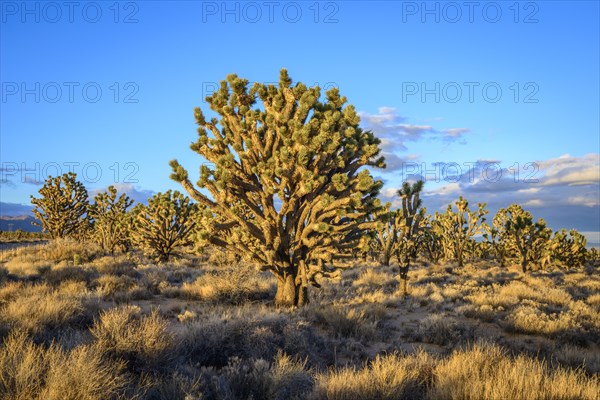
point(486, 372)
point(356, 339)
point(143, 341)
point(387, 377)
point(231, 286)
point(351, 322)
point(29, 371)
point(40, 307)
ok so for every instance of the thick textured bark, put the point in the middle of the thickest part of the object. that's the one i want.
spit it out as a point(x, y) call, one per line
point(404, 267)
point(292, 289)
point(286, 291)
point(459, 259)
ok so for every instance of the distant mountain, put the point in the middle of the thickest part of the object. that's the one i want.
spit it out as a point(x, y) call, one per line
point(23, 222)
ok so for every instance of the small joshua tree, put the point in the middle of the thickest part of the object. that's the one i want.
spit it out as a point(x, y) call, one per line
point(569, 248)
point(63, 208)
point(287, 184)
point(410, 220)
point(456, 228)
point(529, 238)
point(111, 220)
point(431, 242)
point(387, 232)
point(164, 224)
point(497, 237)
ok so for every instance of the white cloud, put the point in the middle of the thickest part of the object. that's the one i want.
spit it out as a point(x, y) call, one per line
point(587, 201)
point(570, 170)
point(137, 194)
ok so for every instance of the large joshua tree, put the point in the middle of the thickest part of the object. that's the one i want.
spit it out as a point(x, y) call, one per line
point(285, 179)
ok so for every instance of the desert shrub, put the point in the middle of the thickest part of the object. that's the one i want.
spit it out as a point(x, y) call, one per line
point(577, 357)
point(441, 330)
point(60, 273)
point(30, 371)
point(71, 250)
point(373, 278)
point(213, 340)
point(250, 333)
point(37, 308)
point(230, 286)
point(285, 378)
point(143, 341)
point(487, 372)
point(346, 322)
point(27, 260)
point(108, 286)
point(116, 265)
point(387, 377)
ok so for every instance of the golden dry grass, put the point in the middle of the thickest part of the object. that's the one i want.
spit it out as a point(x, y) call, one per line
point(209, 330)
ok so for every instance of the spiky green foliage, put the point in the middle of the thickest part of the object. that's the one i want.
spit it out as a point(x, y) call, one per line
point(63, 208)
point(457, 228)
point(410, 224)
point(111, 221)
point(368, 246)
point(568, 249)
point(528, 237)
point(164, 224)
point(286, 181)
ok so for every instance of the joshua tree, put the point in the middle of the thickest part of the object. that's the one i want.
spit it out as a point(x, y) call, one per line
point(63, 208)
point(164, 224)
point(410, 219)
point(497, 236)
point(457, 228)
point(569, 249)
point(431, 242)
point(111, 220)
point(387, 232)
point(286, 185)
point(529, 238)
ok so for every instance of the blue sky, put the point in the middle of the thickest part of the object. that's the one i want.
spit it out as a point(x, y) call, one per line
point(424, 75)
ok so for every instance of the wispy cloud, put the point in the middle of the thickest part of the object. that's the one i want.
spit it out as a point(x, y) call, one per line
point(394, 131)
point(136, 193)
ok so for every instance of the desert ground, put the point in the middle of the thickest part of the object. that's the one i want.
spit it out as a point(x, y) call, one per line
point(77, 323)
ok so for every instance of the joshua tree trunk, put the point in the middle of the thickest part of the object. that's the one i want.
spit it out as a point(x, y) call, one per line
point(524, 264)
point(286, 290)
point(292, 287)
point(386, 259)
point(459, 258)
point(404, 267)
